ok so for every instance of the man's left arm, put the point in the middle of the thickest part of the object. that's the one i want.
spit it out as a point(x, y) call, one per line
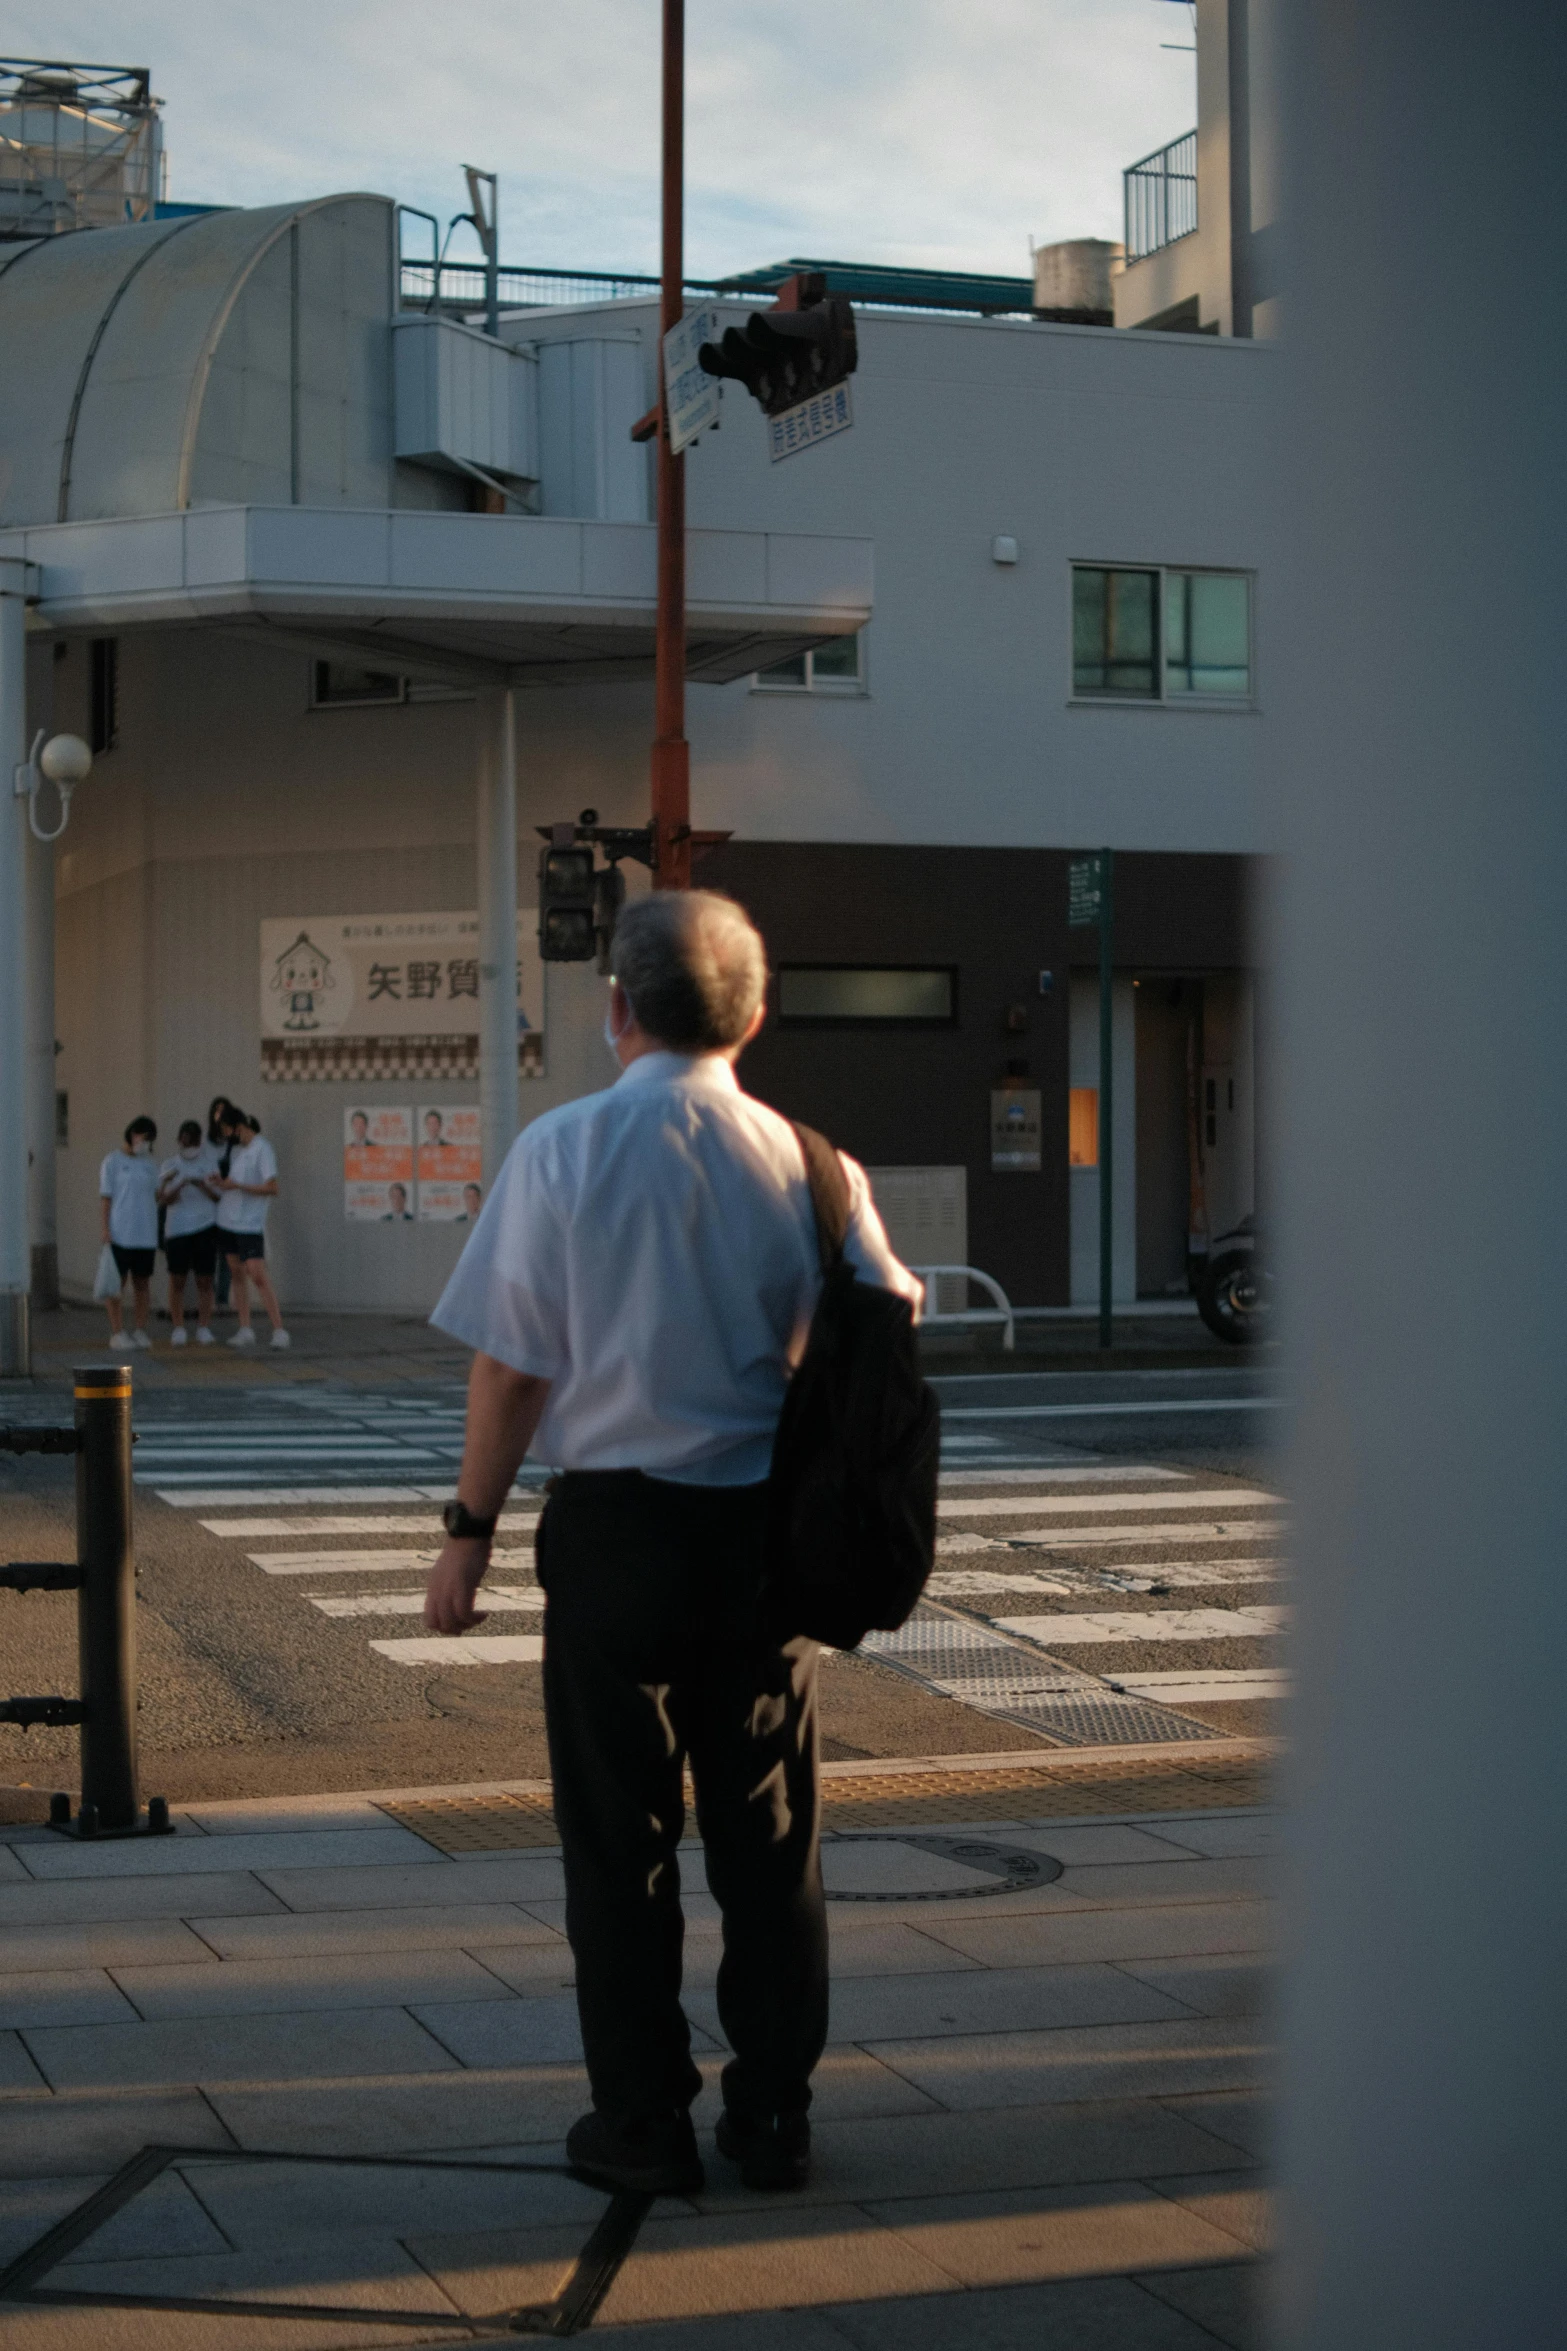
point(504, 1407)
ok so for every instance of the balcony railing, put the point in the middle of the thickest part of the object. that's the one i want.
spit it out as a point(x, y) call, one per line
point(1161, 198)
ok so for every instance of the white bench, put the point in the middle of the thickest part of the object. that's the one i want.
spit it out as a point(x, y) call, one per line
point(968, 1317)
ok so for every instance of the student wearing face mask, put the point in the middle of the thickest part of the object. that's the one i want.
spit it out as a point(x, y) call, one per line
point(188, 1196)
point(128, 1198)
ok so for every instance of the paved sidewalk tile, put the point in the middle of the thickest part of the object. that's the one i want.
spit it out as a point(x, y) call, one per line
point(150, 1942)
point(288, 1816)
point(849, 2085)
point(427, 2114)
point(985, 2000)
point(1227, 2302)
point(1168, 2058)
point(164, 2218)
point(1094, 1843)
point(10, 1866)
point(318, 1934)
point(1124, 1884)
point(261, 2204)
point(1220, 1834)
point(61, 1996)
point(270, 1987)
point(362, 2268)
point(1212, 1983)
point(17, 2070)
point(238, 2048)
point(1161, 1930)
point(87, 1901)
point(327, 1850)
point(500, 1877)
point(541, 2031)
point(77, 2131)
point(1077, 2314)
point(1242, 2207)
point(1036, 2233)
point(1243, 2119)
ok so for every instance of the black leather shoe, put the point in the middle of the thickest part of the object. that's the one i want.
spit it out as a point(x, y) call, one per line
point(773, 2154)
point(655, 2156)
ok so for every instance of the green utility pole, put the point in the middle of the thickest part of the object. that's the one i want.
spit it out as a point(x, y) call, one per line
point(1091, 900)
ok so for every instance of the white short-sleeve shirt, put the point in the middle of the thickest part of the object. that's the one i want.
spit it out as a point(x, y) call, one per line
point(129, 1182)
point(651, 1252)
point(254, 1162)
point(191, 1210)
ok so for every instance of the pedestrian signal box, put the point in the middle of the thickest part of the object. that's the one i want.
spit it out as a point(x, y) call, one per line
point(568, 888)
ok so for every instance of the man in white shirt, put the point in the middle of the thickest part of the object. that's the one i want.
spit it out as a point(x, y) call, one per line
point(639, 1287)
point(188, 1196)
point(128, 1202)
point(245, 1195)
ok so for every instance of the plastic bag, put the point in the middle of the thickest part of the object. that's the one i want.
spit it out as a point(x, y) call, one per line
point(107, 1281)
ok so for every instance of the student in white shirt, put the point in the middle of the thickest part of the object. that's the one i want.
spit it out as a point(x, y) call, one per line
point(244, 1196)
point(128, 1199)
point(188, 1196)
point(638, 1287)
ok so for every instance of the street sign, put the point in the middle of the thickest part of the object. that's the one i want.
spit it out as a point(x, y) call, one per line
point(813, 420)
point(690, 393)
point(1084, 892)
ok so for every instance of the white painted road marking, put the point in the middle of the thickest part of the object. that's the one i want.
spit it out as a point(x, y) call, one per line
point(1099, 1411)
point(511, 1522)
point(502, 1599)
point(1159, 1624)
point(469, 1649)
point(1191, 1689)
point(1015, 1505)
point(1243, 1530)
point(364, 1562)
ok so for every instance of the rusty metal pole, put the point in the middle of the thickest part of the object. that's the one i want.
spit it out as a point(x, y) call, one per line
point(671, 752)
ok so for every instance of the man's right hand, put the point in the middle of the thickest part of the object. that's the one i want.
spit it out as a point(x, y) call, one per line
point(454, 1583)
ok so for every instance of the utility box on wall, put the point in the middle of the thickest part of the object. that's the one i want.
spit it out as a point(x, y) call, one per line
point(463, 399)
point(591, 392)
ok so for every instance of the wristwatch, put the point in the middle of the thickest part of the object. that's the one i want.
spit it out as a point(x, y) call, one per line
point(459, 1521)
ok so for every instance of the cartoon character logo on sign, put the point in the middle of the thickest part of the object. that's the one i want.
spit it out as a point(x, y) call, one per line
point(302, 975)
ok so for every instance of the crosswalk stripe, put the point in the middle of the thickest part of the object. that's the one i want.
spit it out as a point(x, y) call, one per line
point(1191, 1689)
point(1159, 1624)
point(1010, 1472)
point(206, 1496)
point(963, 1582)
point(1241, 1530)
point(1015, 1505)
point(291, 1563)
point(468, 1649)
point(353, 1523)
point(499, 1600)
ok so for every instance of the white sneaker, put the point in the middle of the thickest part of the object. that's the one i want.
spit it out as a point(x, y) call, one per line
point(203, 1335)
point(120, 1343)
point(281, 1339)
point(244, 1337)
point(177, 1336)
point(140, 1339)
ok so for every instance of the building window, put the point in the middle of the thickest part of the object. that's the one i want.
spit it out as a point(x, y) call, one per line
point(900, 995)
point(1160, 636)
point(1082, 1126)
point(104, 712)
point(838, 668)
point(343, 685)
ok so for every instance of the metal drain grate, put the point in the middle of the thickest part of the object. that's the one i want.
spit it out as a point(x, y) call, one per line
point(1015, 1683)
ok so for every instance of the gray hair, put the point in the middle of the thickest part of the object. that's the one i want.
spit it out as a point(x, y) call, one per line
point(694, 966)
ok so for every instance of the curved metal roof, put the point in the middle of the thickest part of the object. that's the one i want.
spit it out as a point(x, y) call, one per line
point(109, 340)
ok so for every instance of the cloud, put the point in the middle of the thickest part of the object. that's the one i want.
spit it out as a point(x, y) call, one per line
point(945, 132)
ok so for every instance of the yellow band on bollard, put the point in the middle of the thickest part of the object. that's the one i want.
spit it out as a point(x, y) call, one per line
point(112, 1393)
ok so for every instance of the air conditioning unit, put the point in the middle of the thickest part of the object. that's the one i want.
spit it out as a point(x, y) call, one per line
point(463, 400)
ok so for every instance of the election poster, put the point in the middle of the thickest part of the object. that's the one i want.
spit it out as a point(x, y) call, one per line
point(450, 1163)
point(378, 1166)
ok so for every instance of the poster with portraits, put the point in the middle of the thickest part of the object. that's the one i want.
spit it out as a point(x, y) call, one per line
point(378, 1166)
point(449, 1163)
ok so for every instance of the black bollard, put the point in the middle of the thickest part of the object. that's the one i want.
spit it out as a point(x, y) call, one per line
point(106, 1611)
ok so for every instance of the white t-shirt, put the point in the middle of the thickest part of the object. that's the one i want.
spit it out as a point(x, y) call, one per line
point(191, 1210)
point(130, 1185)
point(651, 1252)
point(254, 1162)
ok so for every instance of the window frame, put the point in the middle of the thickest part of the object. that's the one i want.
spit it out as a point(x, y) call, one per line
point(874, 1021)
point(831, 688)
point(316, 702)
point(1091, 698)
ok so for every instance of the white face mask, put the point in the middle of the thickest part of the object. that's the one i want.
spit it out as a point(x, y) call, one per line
point(190, 1150)
point(139, 1146)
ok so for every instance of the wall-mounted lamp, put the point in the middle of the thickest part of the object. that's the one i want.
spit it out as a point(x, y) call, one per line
point(1003, 549)
point(63, 761)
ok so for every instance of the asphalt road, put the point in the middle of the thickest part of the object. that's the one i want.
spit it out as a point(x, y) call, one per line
point(1065, 1496)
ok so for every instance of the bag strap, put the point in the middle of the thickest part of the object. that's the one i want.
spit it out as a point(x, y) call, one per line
point(829, 1195)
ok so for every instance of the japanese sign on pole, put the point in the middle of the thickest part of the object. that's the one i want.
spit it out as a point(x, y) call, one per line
point(690, 393)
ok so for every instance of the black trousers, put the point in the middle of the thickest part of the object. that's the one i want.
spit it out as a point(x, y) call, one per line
point(652, 1653)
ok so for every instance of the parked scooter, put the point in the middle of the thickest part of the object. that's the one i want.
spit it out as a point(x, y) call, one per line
point(1234, 1287)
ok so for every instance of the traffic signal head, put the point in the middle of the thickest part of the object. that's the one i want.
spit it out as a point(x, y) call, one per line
point(567, 931)
point(785, 356)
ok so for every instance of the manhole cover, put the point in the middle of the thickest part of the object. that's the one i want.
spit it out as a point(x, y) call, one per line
point(929, 1869)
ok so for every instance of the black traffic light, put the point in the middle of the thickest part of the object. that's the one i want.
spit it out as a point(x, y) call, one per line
point(567, 890)
point(785, 356)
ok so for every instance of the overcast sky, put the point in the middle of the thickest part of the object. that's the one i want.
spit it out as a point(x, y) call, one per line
point(946, 132)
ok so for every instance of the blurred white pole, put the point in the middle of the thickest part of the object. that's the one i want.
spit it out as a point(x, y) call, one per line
point(15, 1264)
point(1417, 635)
point(41, 1224)
point(497, 878)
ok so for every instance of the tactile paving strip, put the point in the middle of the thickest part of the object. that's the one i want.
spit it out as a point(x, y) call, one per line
point(1016, 1683)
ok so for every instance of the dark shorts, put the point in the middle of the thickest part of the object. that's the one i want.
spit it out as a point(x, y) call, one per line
point(195, 1253)
point(137, 1261)
point(243, 1245)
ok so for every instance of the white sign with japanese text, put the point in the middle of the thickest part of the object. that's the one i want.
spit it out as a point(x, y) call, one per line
point(690, 393)
point(386, 975)
point(813, 420)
